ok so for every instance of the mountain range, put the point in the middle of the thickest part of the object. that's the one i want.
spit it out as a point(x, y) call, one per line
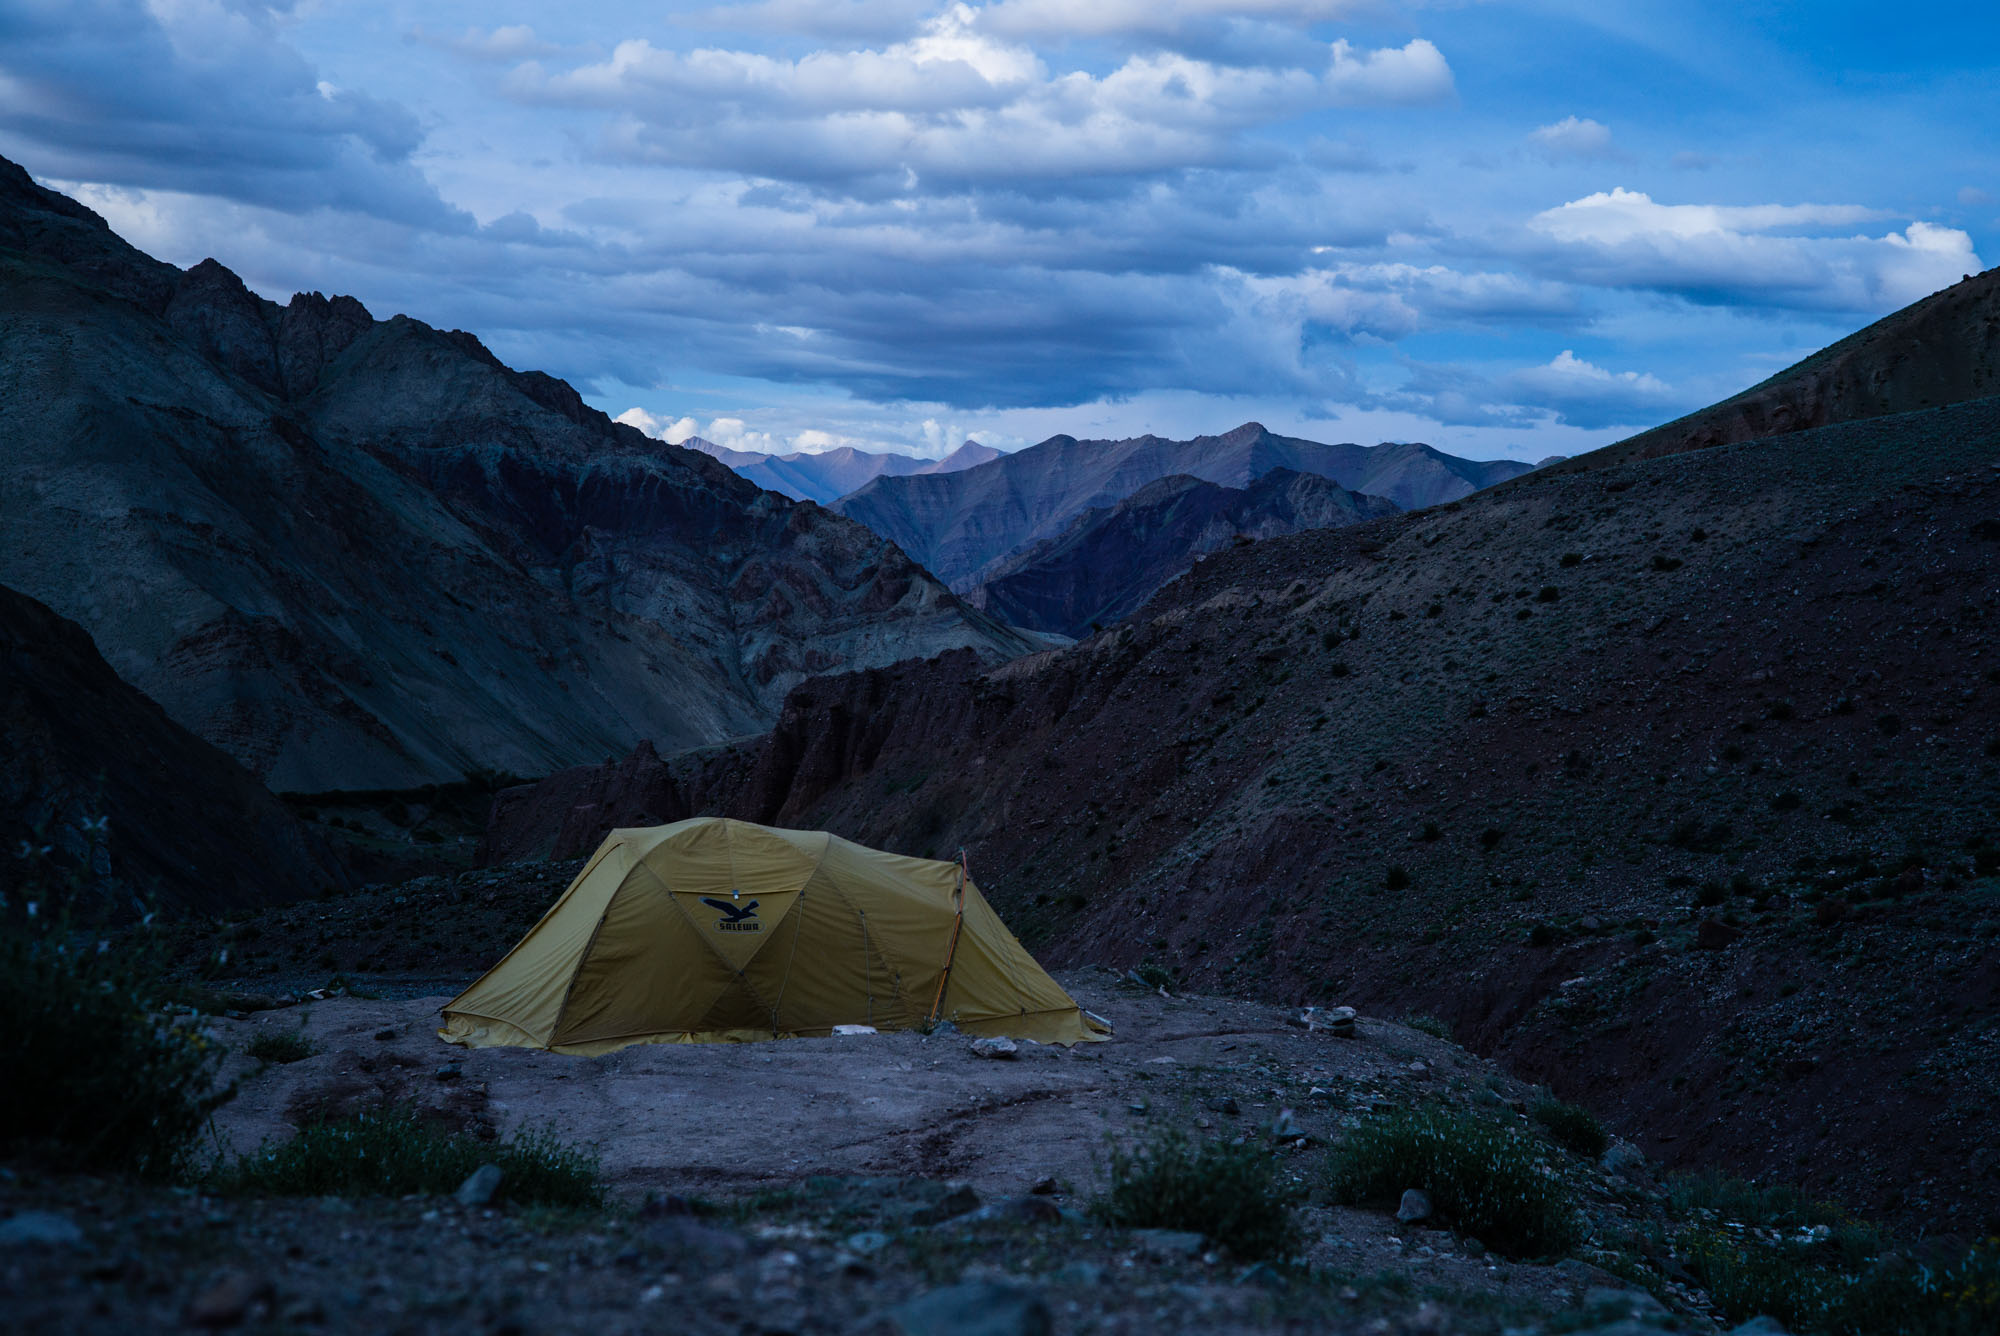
point(1109, 561)
point(962, 526)
point(360, 553)
point(826, 475)
point(1669, 775)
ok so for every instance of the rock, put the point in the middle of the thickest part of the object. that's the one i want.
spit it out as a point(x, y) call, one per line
point(40, 1229)
point(1226, 1105)
point(1603, 1301)
point(1713, 934)
point(976, 1308)
point(385, 1035)
point(451, 1071)
point(958, 1199)
point(1415, 1206)
point(1623, 1159)
point(1263, 1276)
point(1285, 1127)
point(1044, 1187)
point(1759, 1326)
point(867, 1242)
point(994, 1046)
point(479, 1186)
point(1337, 1021)
point(1169, 1242)
point(228, 1299)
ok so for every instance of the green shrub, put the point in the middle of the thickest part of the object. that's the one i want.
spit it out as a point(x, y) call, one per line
point(1741, 1201)
point(392, 1151)
point(97, 1074)
point(1430, 1025)
point(1813, 1289)
point(1482, 1179)
point(281, 1046)
point(1231, 1193)
point(1572, 1127)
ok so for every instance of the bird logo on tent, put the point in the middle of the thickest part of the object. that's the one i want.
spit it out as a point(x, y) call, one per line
point(736, 918)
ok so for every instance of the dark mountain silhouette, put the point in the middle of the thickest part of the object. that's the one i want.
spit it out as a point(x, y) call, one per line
point(365, 554)
point(1672, 780)
point(1944, 349)
point(1109, 562)
point(829, 474)
point(962, 525)
point(182, 825)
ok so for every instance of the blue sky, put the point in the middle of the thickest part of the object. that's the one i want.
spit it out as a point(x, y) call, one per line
point(1504, 228)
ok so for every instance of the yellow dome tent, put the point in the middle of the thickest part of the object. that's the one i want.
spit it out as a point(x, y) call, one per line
point(712, 929)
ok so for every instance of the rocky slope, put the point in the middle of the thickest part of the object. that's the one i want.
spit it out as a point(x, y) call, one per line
point(963, 525)
point(1942, 350)
point(99, 788)
point(1672, 783)
point(364, 554)
point(829, 474)
point(1109, 562)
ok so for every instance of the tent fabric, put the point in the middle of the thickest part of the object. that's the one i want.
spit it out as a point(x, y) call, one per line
point(713, 930)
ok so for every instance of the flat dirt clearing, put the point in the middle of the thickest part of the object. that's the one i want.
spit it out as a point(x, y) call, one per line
point(723, 1119)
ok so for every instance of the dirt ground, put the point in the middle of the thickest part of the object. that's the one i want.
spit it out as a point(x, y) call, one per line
point(806, 1157)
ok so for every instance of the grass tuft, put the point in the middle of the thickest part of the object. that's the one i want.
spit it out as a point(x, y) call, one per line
point(281, 1046)
point(391, 1152)
point(1232, 1193)
point(1484, 1180)
point(1572, 1127)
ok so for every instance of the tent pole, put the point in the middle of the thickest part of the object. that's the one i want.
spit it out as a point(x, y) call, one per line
point(951, 951)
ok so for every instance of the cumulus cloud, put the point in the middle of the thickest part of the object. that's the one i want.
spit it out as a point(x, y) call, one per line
point(1565, 390)
point(1574, 138)
point(1585, 395)
point(207, 97)
point(1764, 254)
point(1124, 18)
point(660, 429)
point(957, 104)
point(514, 42)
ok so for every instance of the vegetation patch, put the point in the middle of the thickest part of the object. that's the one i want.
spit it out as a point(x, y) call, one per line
point(1572, 1127)
point(1232, 1193)
point(99, 1074)
point(392, 1152)
point(280, 1047)
point(1482, 1179)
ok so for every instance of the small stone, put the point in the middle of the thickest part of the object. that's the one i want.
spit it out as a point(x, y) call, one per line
point(1263, 1276)
point(976, 1308)
point(227, 1300)
point(1337, 1021)
point(1762, 1326)
point(1226, 1105)
point(1418, 1068)
point(994, 1046)
point(479, 1186)
point(1044, 1187)
point(385, 1035)
point(1416, 1206)
point(451, 1071)
point(40, 1229)
point(867, 1243)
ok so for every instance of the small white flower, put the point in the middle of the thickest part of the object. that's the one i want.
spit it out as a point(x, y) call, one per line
point(96, 825)
point(103, 945)
point(34, 907)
